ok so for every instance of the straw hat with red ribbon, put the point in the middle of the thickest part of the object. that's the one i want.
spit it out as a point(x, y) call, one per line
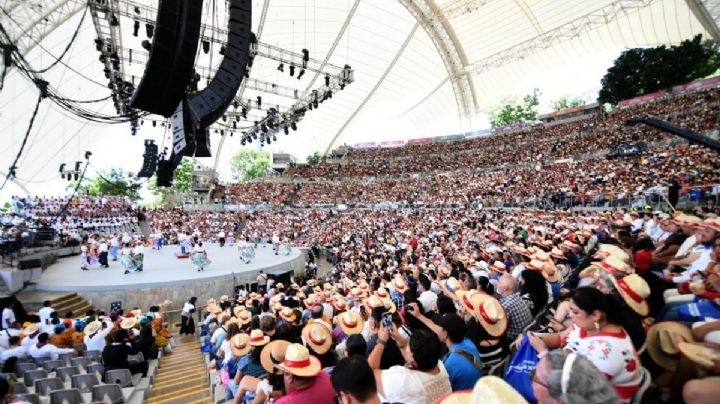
point(273, 354)
point(557, 253)
point(287, 314)
point(240, 345)
point(662, 341)
point(634, 290)
point(711, 223)
point(350, 322)
point(399, 284)
point(490, 314)
point(257, 338)
point(614, 265)
point(299, 362)
point(318, 337)
point(339, 303)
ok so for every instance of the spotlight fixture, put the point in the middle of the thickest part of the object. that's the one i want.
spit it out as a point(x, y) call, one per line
point(259, 102)
point(222, 50)
point(244, 112)
point(149, 30)
point(206, 46)
point(281, 67)
point(293, 126)
point(285, 129)
point(292, 70)
point(306, 57)
point(136, 28)
point(302, 72)
point(114, 21)
point(327, 80)
point(146, 45)
point(235, 105)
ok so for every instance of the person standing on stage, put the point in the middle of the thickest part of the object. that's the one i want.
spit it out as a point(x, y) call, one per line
point(246, 250)
point(84, 257)
point(276, 242)
point(158, 241)
point(187, 323)
point(126, 259)
point(262, 279)
point(221, 238)
point(199, 257)
point(114, 247)
point(139, 255)
point(103, 254)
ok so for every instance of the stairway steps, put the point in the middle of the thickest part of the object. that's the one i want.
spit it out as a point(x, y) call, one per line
point(71, 302)
point(181, 377)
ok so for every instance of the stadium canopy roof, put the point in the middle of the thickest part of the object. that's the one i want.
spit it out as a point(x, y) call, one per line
point(422, 68)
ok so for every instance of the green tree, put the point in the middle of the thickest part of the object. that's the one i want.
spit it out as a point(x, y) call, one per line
point(112, 182)
point(314, 158)
point(248, 164)
point(641, 71)
point(513, 111)
point(565, 102)
point(182, 181)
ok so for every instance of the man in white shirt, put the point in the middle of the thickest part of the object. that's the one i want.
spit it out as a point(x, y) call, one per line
point(43, 349)
point(95, 334)
point(45, 312)
point(221, 238)
point(15, 350)
point(103, 257)
point(114, 247)
point(139, 256)
point(8, 316)
point(31, 335)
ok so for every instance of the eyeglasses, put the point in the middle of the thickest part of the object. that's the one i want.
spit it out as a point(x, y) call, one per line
point(534, 379)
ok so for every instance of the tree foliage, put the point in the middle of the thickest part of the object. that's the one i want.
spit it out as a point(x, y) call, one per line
point(516, 111)
point(112, 182)
point(565, 102)
point(248, 164)
point(315, 158)
point(182, 181)
point(642, 71)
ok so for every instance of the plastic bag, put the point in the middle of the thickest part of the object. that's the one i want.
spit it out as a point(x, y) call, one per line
point(520, 367)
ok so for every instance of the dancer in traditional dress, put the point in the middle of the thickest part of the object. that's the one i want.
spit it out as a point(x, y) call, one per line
point(126, 259)
point(139, 255)
point(199, 257)
point(247, 252)
point(84, 257)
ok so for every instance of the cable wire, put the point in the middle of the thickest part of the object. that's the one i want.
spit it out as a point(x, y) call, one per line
point(11, 170)
point(58, 59)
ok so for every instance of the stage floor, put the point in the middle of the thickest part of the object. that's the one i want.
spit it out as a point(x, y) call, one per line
point(161, 268)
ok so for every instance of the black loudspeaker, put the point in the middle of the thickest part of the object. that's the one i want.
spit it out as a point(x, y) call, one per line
point(150, 159)
point(29, 264)
point(210, 104)
point(166, 169)
point(202, 143)
point(172, 57)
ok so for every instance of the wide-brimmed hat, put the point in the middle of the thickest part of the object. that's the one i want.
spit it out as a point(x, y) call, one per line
point(498, 266)
point(31, 329)
point(299, 362)
point(357, 293)
point(399, 284)
point(465, 298)
point(491, 314)
point(244, 317)
point(257, 338)
point(607, 250)
point(272, 354)
point(136, 312)
point(487, 390)
point(374, 301)
point(557, 253)
point(711, 223)
point(311, 300)
point(93, 327)
point(237, 310)
point(550, 272)
point(287, 314)
point(350, 322)
point(128, 322)
point(700, 354)
point(634, 290)
point(662, 340)
point(614, 265)
point(382, 293)
point(535, 265)
point(240, 344)
point(450, 286)
point(339, 303)
point(318, 337)
point(223, 298)
point(687, 220)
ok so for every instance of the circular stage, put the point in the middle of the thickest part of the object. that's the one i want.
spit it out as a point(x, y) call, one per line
point(166, 277)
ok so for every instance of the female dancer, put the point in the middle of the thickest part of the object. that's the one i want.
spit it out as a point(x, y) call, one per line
point(126, 259)
point(84, 257)
point(199, 257)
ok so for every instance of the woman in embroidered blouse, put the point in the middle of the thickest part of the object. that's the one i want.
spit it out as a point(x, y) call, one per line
point(598, 335)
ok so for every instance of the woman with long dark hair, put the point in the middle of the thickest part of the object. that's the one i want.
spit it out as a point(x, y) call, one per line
point(187, 323)
point(533, 289)
point(597, 333)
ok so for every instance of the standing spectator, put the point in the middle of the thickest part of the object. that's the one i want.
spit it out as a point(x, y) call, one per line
point(8, 316)
point(45, 312)
point(186, 317)
point(674, 192)
point(103, 258)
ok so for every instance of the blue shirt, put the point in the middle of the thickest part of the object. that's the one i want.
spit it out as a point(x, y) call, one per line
point(463, 373)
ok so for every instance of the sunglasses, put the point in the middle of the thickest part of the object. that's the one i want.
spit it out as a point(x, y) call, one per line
point(534, 379)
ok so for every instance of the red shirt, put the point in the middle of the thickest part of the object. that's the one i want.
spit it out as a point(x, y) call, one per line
point(643, 259)
point(320, 392)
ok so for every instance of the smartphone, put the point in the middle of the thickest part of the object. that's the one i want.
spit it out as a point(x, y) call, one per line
point(387, 320)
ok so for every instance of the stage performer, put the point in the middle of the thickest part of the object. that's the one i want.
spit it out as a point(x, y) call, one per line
point(199, 257)
point(247, 252)
point(84, 257)
point(139, 255)
point(126, 259)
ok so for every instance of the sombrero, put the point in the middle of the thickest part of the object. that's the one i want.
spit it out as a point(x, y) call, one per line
point(399, 284)
point(700, 354)
point(450, 286)
point(614, 265)
point(299, 362)
point(465, 298)
point(128, 322)
point(350, 322)
point(318, 337)
point(257, 338)
point(240, 345)
point(287, 314)
point(32, 328)
point(711, 223)
point(634, 290)
point(244, 317)
point(93, 327)
point(338, 302)
point(491, 315)
point(498, 266)
point(535, 265)
point(662, 340)
point(237, 310)
point(487, 390)
point(551, 272)
point(557, 253)
point(272, 354)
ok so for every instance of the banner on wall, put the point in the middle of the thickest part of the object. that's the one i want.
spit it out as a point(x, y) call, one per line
point(448, 138)
point(393, 143)
point(477, 133)
point(641, 99)
point(420, 140)
point(696, 85)
point(364, 145)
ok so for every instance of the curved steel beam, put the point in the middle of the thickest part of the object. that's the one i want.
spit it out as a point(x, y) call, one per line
point(437, 26)
point(16, 182)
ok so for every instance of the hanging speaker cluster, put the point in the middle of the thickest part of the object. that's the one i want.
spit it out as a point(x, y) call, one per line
point(172, 57)
point(210, 104)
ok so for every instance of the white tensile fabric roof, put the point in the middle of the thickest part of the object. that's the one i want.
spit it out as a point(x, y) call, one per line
point(400, 51)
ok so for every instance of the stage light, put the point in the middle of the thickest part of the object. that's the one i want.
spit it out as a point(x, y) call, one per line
point(146, 45)
point(222, 50)
point(292, 70)
point(264, 128)
point(302, 72)
point(136, 28)
point(224, 118)
point(222, 132)
point(149, 30)
point(285, 129)
point(154, 124)
point(137, 10)
point(274, 138)
point(235, 105)
point(259, 102)
point(306, 57)
point(206, 46)
point(242, 142)
point(244, 112)
point(281, 67)
point(234, 124)
point(62, 167)
point(114, 21)
point(293, 126)
point(327, 80)
point(98, 44)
